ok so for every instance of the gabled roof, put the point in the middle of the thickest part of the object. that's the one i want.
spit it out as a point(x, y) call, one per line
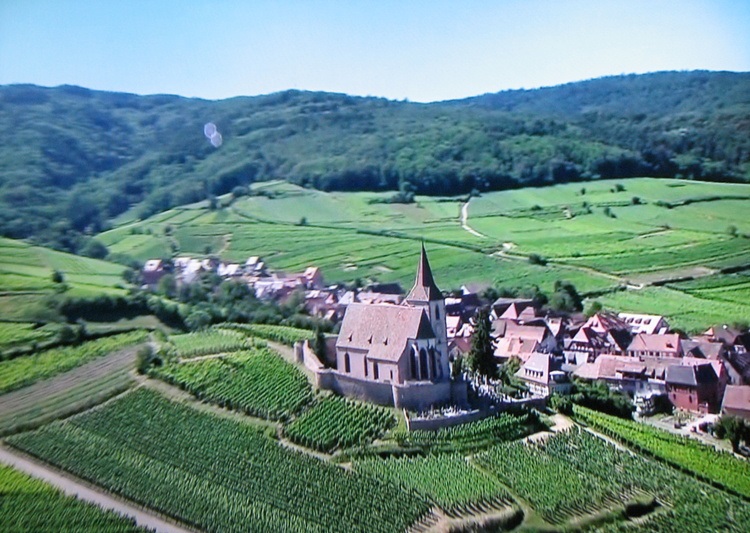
point(702, 348)
point(691, 376)
point(737, 397)
point(424, 289)
point(605, 321)
point(382, 330)
point(655, 343)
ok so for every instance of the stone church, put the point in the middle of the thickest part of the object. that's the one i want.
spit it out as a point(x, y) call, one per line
point(395, 354)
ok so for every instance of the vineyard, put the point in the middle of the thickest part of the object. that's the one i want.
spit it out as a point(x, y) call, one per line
point(449, 481)
point(336, 423)
point(574, 474)
point(28, 504)
point(20, 333)
point(256, 382)
point(23, 371)
point(210, 341)
point(469, 437)
point(283, 334)
point(705, 462)
point(213, 473)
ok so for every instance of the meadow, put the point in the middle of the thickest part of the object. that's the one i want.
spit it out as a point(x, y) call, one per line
point(26, 278)
point(601, 236)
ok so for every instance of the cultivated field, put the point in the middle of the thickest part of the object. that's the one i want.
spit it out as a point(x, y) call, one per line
point(601, 236)
point(26, 278)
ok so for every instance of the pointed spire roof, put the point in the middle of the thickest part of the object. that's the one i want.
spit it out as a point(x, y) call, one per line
point(424, 289)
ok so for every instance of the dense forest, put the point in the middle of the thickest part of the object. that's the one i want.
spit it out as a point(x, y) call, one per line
point(73, 158)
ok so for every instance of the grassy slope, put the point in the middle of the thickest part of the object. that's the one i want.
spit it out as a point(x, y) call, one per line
point(643, 243)
point(26, 277)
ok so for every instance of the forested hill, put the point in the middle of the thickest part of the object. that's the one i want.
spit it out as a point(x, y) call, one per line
point(72, 158)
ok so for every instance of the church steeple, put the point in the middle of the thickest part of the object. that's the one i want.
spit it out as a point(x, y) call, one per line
point(424, 289)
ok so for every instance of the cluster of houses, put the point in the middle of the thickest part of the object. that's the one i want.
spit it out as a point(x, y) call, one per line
point(634, 353)
point(395, 349)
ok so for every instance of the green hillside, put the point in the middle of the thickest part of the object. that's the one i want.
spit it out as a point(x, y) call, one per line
point(72, 158)
point(643, 235)
point(26, 278)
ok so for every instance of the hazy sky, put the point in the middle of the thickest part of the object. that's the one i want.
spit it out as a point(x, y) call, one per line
point(421, 50)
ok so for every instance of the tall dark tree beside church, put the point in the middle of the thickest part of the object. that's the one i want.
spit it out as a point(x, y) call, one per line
point(482, 353)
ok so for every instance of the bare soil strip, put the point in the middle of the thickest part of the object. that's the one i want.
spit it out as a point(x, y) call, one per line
point(20, 403)
point(73, 487)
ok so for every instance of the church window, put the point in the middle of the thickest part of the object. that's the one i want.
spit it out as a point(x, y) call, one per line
point(414, 364)
point(432, 363)
point(347, 363)
point(375, 372)
point(423, 364)
point(366, 367)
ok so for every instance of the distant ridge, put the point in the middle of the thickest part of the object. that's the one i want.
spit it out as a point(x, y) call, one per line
point(72, 158)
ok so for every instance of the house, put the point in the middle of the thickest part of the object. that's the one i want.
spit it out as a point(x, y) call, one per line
point(735, 340)
point(501, 305)
point(395, 354)
point(520, 340)
point(153, 271)
point(655, 345)
point(312, 278)
point(693, 387)
point(649, 324)
point(736, 401)
point(702, 348)
point(588, 344)
point(637, 376)
point(543, 375)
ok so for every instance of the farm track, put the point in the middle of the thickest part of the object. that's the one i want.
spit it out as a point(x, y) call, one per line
point(465, 224)
point(78, 488)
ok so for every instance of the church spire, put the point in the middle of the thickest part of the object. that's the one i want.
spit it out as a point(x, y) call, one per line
point(424, 289)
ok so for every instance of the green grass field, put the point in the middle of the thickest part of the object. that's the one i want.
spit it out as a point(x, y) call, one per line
point(657, 230)
point(26, 278)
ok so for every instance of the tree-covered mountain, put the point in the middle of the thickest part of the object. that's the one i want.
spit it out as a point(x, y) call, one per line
point(72, 158)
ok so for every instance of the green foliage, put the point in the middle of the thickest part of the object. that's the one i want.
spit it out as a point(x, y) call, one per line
point(79, 163)
point(283, 334)
point(32, 505)
point(336, 423)
point(536, 259)
point(685, 453)
point(561, 404)
point(449, 481)
point(574, 474)
point(319, 344)
point(734, 429)
point(256, 382)
point(215, 474)
point(210, 341)
point(481, 357)
point(23, 371)
point(598, 396)
point(94, 248)
point(470, 437)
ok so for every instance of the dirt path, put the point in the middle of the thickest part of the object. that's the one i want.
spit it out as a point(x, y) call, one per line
point(559, 423)
point(73, 487)
point(464, 223)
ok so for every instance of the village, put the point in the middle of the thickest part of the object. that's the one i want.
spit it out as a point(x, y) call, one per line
point(406, 350)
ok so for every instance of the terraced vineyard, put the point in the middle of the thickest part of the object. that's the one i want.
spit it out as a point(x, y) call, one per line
point(597, 236)
point(283, 334)
point(23, 371)
point(466, 438)
point(718, 467)
point(449, 481)
point(336, 423)
point(13, 334)
point(572, 475)
point(32, 505)
point(210, 341)
point(213, 473)
point(256, 382)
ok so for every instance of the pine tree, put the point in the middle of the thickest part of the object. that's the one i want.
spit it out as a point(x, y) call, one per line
point(319, 344)
point(482, 353)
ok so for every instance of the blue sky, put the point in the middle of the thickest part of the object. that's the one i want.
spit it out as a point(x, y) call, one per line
point(420, 50)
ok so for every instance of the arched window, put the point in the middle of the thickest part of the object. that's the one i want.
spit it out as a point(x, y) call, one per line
point(432, 363)
point(347, 363)
point(423, 364)
point(437, 312)
point(365, 361)
point(375, 372)
point(414, 363)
